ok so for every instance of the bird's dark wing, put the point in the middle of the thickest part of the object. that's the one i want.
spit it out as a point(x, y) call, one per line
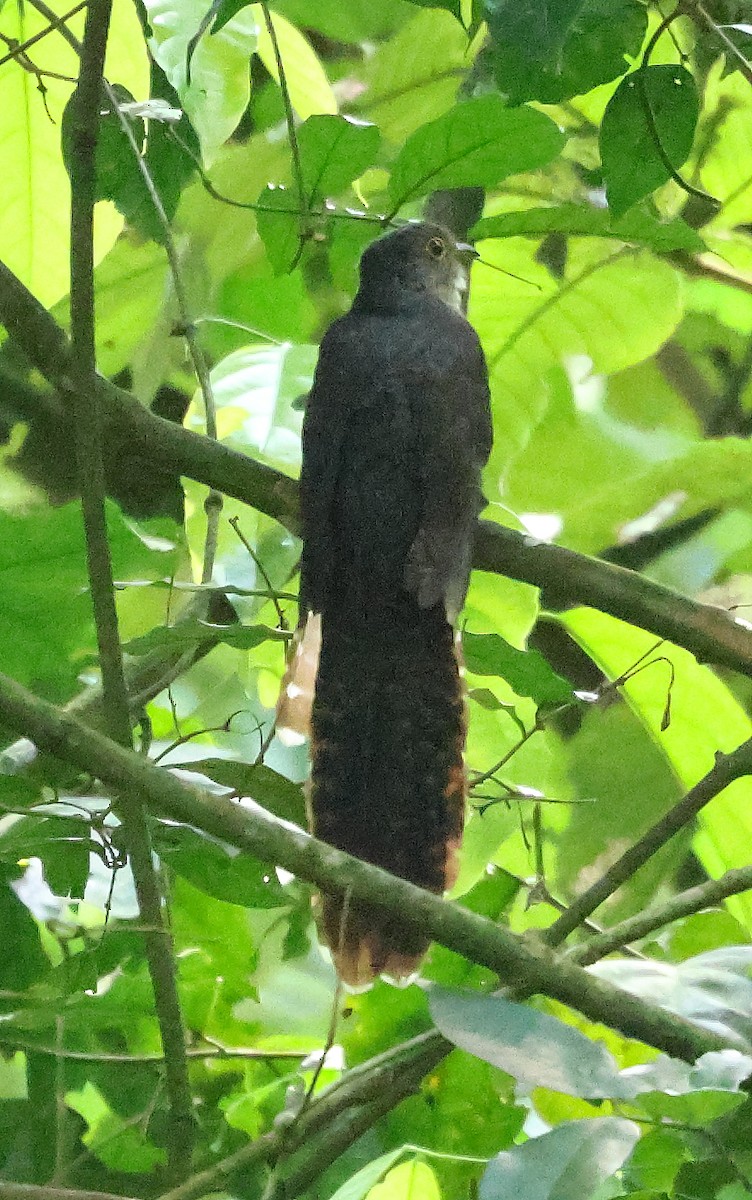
point(450, 401)
point(324, 432)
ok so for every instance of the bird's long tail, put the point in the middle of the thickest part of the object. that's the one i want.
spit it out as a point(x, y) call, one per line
point(387, 780)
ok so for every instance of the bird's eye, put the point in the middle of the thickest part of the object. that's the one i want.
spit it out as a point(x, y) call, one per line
point(436, 247)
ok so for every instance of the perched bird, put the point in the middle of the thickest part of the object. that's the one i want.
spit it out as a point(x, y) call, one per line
point(397, 429)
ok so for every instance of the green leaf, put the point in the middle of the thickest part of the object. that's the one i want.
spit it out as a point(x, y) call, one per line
point(479, 143)
point(415, 75)
point(569, 1163)
point(275, 792)
point(452, 6)
point(257, 391)
point(280, 226)
point(712, 989)
point(219, 870)
point(526, 671)
point(226, 10)
point(529, 327)
point(591, 47)
point(119, 1144)
point(43, 571)
point(62, 843)
point(188, 634)
point(556, 1055)
point(638, 227)
point(24, 960)
point(655, 106)
point(535, 29)
point(334, 151)
point(217, 95)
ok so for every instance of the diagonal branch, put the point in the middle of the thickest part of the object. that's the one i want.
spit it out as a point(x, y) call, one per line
point(693, 900)
point(533, 966)
point(728, 767)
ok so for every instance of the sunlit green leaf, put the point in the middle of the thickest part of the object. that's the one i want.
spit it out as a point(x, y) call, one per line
point(526, 671)
point(216, 93)
point(479, 142)
point(309, 88)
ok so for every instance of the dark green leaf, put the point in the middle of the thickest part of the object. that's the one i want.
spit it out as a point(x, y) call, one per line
point(647, 129)
point(591, 50)
point(334, 151)
point(62, 843)
point(226, 10)
point(527, 671)
point(576, 220)
point(569, 1163)
point(22, 960)
point(219, 870)
point(280, 795)
point(478, 143)
point(535, 29)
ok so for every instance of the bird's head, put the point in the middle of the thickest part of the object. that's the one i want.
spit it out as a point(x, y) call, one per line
point(417, 258)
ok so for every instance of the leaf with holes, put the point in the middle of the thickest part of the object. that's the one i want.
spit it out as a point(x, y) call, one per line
point(647, 132)
point(526, 671)
point(476, 144)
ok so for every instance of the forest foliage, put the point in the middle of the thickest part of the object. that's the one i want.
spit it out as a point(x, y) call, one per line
point(599, 155)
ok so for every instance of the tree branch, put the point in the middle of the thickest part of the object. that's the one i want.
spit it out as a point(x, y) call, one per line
point(533, 967)
point(88, 436)
point(693, 900)
point(566, 577)
point(728, 767)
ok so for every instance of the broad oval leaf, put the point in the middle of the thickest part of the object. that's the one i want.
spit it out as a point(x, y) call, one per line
point(647, 130)
point(536, 1049)
point(334, 151)
point(34, 216)
point(219, 870)
point(568, 1163)
point(478, 143)
point(408, 1181)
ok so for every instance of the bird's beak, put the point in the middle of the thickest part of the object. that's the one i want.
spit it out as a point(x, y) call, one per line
point(465, 250)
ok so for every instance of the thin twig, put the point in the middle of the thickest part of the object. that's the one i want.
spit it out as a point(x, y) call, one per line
point(693, 900)
point(242, 1053)
point(728, 767)
point(289, 115)
point(700, 14)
